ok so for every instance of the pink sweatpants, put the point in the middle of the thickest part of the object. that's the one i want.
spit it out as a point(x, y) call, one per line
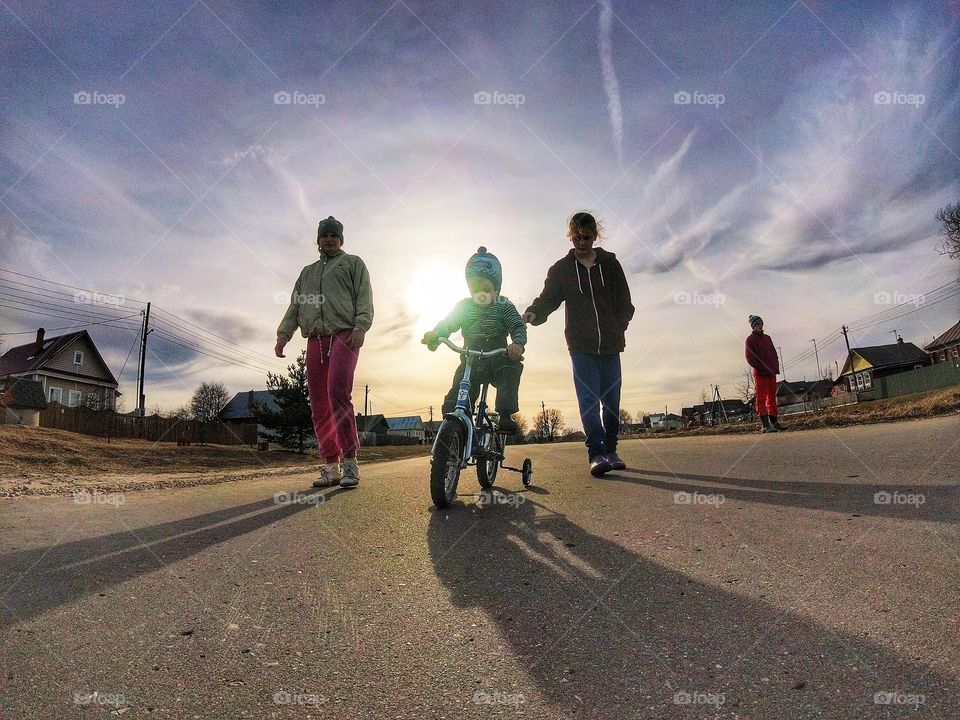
point(330, 368)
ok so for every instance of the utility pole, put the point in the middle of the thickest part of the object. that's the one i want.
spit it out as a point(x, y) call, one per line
point(783, 369)
point(366, 395)
point(431, 414)
point(141, 398)
point(845, 330)
point(817, 354)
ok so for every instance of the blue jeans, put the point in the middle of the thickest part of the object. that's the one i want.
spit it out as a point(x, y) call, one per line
point(597, 382)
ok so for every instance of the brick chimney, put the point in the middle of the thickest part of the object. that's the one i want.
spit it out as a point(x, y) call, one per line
point(899, 340)
point(38, 346)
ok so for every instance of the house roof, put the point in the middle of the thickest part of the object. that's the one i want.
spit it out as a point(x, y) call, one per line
point(370, 423)
point(239, 406)
point(949, 338)
point(25, 358)
point(432, 425)
point(412, 422)
point(883, 356)
point(23, 393)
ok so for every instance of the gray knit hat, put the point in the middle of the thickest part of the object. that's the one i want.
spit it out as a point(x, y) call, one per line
point(485, 264)
point(330, 225)
point(755, 320)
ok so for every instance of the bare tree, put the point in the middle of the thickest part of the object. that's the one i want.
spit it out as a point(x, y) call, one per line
point(522, 424)
point(625, 418)
point(744, 386)
point(207, 402)
point(949, 218)
point(548, 425)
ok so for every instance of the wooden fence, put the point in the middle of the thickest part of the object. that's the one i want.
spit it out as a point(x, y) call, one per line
point(108, 424)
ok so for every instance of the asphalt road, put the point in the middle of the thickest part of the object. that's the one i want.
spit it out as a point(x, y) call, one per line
point(742, 576)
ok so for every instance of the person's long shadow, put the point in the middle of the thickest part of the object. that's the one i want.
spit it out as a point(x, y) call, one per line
point(38, 580)
point(608, 633)
point(903, 502)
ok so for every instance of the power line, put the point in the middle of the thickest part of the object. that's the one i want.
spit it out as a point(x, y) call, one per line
point(72, 287)
point(172, 339)
point(68, 327)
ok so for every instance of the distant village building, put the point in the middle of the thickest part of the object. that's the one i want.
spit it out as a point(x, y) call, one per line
point(239, 411)
point(411, 427)
point(865, 365)
point(946, 348)
point(21, 401)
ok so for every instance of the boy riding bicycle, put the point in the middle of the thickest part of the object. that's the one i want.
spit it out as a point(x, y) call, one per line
point(486, 318)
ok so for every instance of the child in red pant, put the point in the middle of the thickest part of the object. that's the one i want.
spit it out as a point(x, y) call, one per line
point(762, 357)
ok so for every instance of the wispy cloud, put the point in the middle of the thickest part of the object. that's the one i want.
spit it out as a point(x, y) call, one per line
point(610, 85)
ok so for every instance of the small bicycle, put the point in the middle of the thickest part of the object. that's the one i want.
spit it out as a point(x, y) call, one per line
point(464, 440)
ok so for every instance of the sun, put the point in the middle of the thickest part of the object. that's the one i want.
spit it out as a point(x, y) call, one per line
point(433, 292)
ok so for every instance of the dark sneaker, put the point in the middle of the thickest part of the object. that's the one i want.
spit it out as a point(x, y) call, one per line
point(599, 466)
point(507, 426)
point(776, 424)
point(616, 463)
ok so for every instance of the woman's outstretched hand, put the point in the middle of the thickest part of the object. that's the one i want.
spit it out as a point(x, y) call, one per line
point(529, 317)
point(278, 350)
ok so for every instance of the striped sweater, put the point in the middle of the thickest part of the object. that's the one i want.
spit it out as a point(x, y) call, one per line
point(485, 327)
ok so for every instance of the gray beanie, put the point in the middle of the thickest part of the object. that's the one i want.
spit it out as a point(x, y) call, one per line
point(755, 320)
point(330, 225)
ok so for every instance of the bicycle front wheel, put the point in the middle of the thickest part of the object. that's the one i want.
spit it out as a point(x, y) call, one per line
point(445, 463)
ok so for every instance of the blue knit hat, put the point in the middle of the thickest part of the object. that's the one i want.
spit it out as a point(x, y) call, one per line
point(755, 320)
point(486, 265)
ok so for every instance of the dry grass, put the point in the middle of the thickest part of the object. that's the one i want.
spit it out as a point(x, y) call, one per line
point(45, 461)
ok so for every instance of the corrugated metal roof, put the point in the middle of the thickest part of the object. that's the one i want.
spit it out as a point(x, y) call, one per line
point(950, 337)
point(239, 406)
point(413, 422)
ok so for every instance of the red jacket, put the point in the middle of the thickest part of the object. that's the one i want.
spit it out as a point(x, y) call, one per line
point(761, 354)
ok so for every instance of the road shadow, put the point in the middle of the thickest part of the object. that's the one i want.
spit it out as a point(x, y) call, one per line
point(38, 580)
point(939, 503)
point(607, 633)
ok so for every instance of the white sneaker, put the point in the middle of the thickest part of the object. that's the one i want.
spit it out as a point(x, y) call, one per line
point(330, 476)
point(351, 475)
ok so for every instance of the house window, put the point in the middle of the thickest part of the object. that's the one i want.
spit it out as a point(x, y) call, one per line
point(56, 395)
point(956, 354)
point(866, 379)
point(853, 383)
point(78, 357)
point(73, 398)
point(859, 381)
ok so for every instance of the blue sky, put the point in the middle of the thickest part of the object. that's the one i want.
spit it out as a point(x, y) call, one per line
point(799, 182)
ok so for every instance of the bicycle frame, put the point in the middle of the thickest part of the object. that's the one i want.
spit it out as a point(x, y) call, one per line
point(462, 412)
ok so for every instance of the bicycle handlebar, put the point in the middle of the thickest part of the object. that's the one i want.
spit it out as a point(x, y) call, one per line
point(474, 353)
